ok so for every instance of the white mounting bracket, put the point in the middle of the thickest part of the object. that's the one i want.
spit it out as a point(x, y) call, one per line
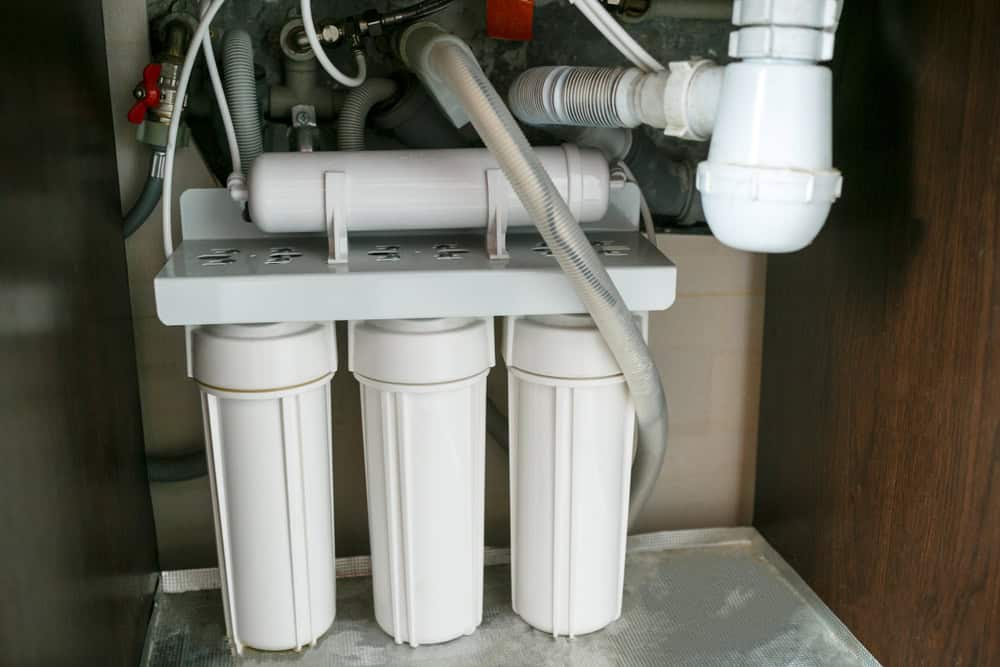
point(496, 224)
point(335, 200)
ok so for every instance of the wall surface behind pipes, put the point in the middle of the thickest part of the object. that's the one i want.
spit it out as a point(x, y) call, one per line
point(707, 346)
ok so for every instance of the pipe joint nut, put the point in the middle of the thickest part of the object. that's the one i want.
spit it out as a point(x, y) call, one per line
point(688, 105)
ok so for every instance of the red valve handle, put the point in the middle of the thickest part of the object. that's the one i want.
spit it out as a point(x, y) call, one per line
point(510, 19)
point(150, 90)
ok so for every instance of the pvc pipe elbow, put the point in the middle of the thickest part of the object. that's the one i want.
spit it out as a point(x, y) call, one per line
point(415, 46)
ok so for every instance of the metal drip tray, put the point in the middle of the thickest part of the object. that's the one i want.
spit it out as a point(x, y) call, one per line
point(716, 598)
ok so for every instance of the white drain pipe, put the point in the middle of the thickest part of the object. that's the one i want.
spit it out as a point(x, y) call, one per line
point(769, 181)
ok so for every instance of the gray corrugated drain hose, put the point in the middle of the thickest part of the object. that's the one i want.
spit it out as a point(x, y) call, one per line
point(457, 68)
point(241, 92)
point(351, 124)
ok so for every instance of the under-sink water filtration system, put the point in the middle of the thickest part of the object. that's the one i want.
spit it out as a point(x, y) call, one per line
point(419, 250)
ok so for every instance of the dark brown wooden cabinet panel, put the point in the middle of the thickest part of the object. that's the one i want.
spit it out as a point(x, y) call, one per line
point(879, 462)
point(77, 548)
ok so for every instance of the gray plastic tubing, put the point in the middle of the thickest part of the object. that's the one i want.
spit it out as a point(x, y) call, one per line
point(351, 124)
point(241, 93)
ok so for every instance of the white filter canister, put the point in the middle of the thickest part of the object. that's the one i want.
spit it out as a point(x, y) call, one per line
point(572, 430)
point(415, 189)
point(423, 402)
point(266, 402)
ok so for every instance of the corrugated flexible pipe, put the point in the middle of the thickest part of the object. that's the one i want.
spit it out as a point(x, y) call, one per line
point(351, 124)
point(563, 95)
point(241, 91)
point(454, 65)
point(683, 101)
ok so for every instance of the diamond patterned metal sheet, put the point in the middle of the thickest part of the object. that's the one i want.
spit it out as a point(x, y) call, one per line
point(707, 598)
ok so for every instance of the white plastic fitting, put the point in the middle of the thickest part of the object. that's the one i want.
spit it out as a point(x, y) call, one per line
point(423, 403)
point(415, 46)
point(572, 428)
point(266, 401)
point(416, 189)
point(822, 14)
point(691, 99)
point(236, 185)
point(769, 181)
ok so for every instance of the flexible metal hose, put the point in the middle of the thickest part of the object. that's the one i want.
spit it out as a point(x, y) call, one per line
point(409, 14)
point(241, 91)
point(458, 69)
point(351, 124)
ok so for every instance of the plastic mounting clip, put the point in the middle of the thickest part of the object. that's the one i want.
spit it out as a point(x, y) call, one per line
point(335, 202)
point(497, 214)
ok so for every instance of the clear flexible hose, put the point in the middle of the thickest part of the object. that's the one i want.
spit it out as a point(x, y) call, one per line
point(458, 69)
